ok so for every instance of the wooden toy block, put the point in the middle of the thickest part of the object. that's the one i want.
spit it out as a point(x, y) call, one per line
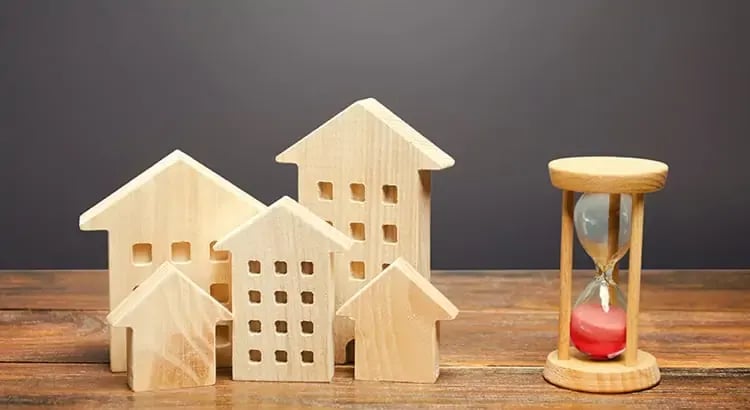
point(170, 325)
point(395, 318)
point(174, 211)
point(283, 294)
point(368, 173)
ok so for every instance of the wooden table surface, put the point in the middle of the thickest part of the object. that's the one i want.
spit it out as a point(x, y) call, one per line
point(53, 348)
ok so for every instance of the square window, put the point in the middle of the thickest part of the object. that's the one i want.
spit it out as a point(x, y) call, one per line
point(386, 265)
point(280, 296)
point(357, 269)
point(280, 356)
point(220, 292)
point(390, 233)
point(280, 326)
point(181, 252)
point(358, 192)
point(390, 194)
point(142, 255)
point(280, 267)
point(307, 298)
point(357, 230)
point(254, 326)
point(307, 268)
point(253, 267)
point(325, 190)
point(254, 296)
point(307, 356)
point(217, 256)
point(307, 327)
point(254, 356)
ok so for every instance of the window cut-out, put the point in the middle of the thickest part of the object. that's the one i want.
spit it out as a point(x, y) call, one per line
point(254, 326)
point(325, 190)
point(280, 356)
point(386, 265)
point(217, 256)
point(358, 192)
point(390, 194)
point(181, 252)
point(307, 268)
point(223, 335)
point(357, 269)
point(390, 233)
point(307, 356)
point(307, 327)
point(255, 355)
point(357, 230)
point(280, 267)
point(280, 296)
point(307, 298)
point(253, 267)
point(254, 296)
point(142, 255)
point(280, 326)
point(220, 292)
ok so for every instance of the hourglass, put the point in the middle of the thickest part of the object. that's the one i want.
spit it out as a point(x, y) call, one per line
point(602, 324)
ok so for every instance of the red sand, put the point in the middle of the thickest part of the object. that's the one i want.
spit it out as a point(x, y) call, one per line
point(599, 334)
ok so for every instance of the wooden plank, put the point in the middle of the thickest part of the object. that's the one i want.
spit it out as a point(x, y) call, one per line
point(719, 290)
point(501, 338)
point(77, 386)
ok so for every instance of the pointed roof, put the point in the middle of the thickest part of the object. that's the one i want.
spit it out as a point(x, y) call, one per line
point(174, 158)
point(286, 219)
point(393, 276)
point(431, 157)
point(146, 296)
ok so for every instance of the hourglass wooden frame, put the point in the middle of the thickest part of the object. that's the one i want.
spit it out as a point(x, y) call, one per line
point(635, 369)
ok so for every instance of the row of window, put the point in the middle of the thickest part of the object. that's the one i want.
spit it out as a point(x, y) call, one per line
point(280, 297)
point(180, 252)
point(281, 327)
point(357, 232)
point(357, 192)
point(357, 269)
point(281, 356)
point(280, 267)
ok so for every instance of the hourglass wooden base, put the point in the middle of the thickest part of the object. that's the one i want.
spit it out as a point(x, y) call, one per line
point(611, 376)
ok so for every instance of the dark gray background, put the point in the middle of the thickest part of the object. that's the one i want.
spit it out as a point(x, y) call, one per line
point(94, 92)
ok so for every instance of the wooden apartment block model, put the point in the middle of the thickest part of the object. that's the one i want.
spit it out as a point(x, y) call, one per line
point(283, 295)
point(202, 275)
point(368, 174)
point(170, 325)
point(172, 212)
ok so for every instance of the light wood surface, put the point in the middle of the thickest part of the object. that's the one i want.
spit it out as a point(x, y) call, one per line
point(608, 174)
point(53, 348)
point(283, 294)
point(634, 280)
point(566, 273)
point(368, 173)
point(613, 226)
point(613, 376)
point(173, 211)
point(171, 338)
point(395, 318)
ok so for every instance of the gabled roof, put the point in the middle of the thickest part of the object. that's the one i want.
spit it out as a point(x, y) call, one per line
point(432, 157)
point(286, 219)
point(145, 297)
point(176, 157)
point(443, 308)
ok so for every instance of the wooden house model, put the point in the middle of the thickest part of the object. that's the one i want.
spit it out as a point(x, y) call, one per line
point(368, 174)
point(283, 294)
point(174, 211)
point(170, 325)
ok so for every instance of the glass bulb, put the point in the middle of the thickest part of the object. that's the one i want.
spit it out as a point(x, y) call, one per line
point(591, 218)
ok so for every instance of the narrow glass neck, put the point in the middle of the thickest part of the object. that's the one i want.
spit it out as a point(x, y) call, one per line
point(605, 274)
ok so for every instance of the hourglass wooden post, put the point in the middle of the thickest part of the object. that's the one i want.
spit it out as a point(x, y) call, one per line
point(567, 367)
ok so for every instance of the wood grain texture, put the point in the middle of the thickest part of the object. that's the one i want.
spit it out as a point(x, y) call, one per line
point(171, 339)
point(634, 281)
point(580, 373)
point(608, 174)
point(283, 295)
point(368, 173)
point(566, 274)
point(395, 318)
point(93, 386)
point(173, 211)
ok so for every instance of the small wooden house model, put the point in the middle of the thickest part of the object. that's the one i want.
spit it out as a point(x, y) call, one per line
point(283, 294)
point(368, 173)
point(174, 211)
point(170, 325)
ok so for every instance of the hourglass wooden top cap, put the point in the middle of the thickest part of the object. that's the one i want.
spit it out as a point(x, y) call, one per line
point(608, 174)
